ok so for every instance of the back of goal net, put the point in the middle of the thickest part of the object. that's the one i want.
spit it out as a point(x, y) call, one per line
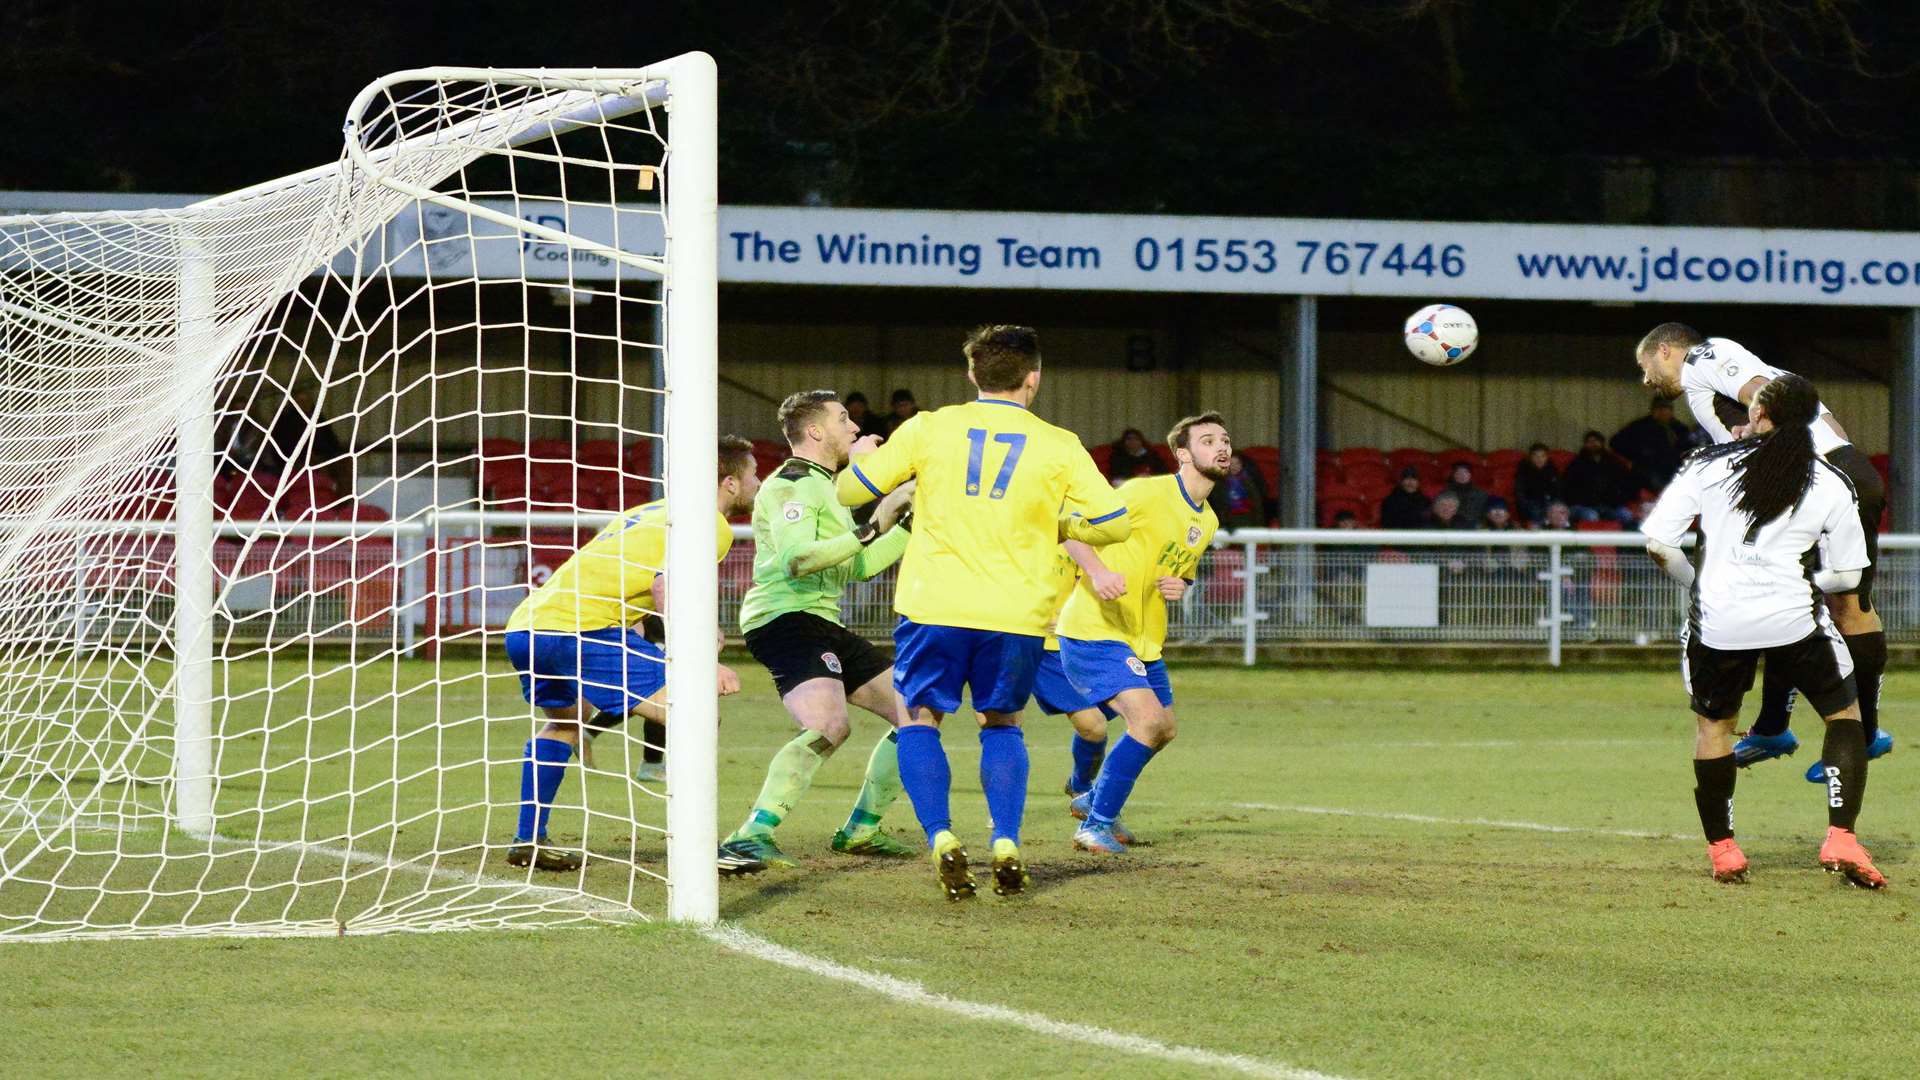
point(274, 470)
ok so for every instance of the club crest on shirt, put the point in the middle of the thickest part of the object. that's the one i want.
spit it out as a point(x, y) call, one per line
point(832, 662)
point(1136, 666)
point(1193, 535)
point(792, 511)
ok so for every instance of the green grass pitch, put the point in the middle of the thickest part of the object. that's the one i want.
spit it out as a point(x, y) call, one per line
point(1337, 879)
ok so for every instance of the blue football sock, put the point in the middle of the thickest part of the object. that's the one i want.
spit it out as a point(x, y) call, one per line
point(1086, 761)
point(1003, 776)
point(1123, 767)
point(926, 776)
point(543, 763)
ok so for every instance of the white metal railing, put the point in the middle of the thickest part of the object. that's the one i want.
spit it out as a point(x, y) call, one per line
point(440, 574)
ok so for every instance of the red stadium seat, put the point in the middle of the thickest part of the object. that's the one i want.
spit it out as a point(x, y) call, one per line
point(1883, 464)
point(1102, 455)
point(1504, 460)
point(246, 496)
point(638, 458)
point(769, 455)
point(1373, 478)
point(1561, 459)
point(1267, 460)
point(1357, 454)
point(1324, 473)
point(1602, 525)
point(1165, 454)
point(1410, 455)
point(1360, 508)
point(602, 452)
point(550, 449)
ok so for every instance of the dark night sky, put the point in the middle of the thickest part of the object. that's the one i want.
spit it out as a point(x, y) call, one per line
point(1264, 112)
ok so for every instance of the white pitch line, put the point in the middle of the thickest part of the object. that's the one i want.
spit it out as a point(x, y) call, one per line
point(1489, 823)
point(1487, 744)
point(912, 993)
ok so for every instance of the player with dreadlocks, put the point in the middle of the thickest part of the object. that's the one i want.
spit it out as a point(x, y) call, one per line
point(1765, 506)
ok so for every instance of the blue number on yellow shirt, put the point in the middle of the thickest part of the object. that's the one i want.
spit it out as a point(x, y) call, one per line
point(977, 450)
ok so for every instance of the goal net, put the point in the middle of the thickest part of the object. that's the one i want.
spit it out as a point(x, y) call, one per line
point(274, 469)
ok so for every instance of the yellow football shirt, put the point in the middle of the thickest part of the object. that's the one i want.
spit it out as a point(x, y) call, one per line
point(609, 581)
point(1170, 532)
point(992, 483)
point(1066, 574)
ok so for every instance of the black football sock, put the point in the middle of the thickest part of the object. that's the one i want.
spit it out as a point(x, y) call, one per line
point(1714, 796)
point(654, 735)
point(1869, 667)
point(1844, 759)
point(1776, 700)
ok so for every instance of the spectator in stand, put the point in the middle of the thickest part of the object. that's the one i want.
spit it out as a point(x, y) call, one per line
point(1133, 456)
point(1406, 507)
point(1578, 562)
point(288, 447)
point(1345, 519)
point(1655, 444)
point(1447, 514)
point(1473, 501)
point(1240, 500)
point(864, 422)
point(1507, 585)
point(1536, 482)
point(904, 409)
point(1596, 486)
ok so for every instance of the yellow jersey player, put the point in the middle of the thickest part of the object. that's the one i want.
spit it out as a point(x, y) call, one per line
point(997, 490)
point(1110, 645)
point(583, 659)
point(1056, 695)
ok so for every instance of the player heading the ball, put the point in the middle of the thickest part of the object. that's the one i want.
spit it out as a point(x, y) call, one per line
point(997, 490)
point(1721, 379)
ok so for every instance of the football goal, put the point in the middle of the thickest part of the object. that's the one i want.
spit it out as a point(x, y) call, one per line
point(275, 465)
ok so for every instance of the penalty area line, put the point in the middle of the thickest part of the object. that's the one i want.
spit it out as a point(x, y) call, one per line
point(1487, 823)
point(912, 993)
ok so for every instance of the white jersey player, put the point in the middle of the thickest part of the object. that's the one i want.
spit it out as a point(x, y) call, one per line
point(1765, 506)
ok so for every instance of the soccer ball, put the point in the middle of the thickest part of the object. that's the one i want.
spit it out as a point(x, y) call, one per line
point(1441, 335)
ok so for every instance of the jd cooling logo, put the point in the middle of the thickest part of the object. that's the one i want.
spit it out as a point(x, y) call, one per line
point(542, 250)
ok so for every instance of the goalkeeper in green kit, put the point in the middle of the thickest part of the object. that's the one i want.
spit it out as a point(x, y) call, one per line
point(806, 549)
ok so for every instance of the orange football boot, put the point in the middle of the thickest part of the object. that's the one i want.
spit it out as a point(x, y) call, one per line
point(1729, 862)
point(1842, 854)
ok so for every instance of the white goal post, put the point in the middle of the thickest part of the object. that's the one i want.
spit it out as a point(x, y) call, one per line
point(230, 437)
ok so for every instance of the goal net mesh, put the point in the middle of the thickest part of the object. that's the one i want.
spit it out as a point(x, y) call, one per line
point(400, 389)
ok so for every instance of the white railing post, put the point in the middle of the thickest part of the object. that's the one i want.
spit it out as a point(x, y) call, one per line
point(1250, 613)
point(1554, 576)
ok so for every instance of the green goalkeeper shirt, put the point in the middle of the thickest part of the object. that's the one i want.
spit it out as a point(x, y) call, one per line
point(804, 548)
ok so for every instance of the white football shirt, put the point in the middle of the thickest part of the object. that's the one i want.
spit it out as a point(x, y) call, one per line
point(1723, 366)
point(1754, 588)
